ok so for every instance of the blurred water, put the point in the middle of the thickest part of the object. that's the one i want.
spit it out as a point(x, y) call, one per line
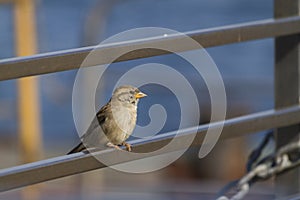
point(247, 68)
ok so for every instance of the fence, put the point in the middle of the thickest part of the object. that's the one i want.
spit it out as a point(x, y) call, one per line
point(285, 28)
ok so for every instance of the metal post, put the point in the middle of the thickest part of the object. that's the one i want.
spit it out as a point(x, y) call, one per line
point(287, 58)
point(29, 118)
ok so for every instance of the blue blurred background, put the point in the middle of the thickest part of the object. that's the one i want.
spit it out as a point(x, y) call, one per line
point(247, 68)
point(68, 24)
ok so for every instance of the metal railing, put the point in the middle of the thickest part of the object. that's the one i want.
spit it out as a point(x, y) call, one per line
point(285, 116)
point(72, 59)
point(58, 167)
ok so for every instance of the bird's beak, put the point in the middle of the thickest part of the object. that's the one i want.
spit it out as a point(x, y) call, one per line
point(140, 95)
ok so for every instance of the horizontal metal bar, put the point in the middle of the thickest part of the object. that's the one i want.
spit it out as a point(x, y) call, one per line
point(62, 166)
point(72, 59)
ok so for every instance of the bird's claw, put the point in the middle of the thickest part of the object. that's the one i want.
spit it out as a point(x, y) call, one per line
point(113, 146)
point(128, 146)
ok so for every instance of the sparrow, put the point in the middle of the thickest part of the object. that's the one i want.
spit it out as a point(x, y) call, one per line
point(114, 122)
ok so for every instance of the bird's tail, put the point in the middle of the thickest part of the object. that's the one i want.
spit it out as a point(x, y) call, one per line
point(78, 148)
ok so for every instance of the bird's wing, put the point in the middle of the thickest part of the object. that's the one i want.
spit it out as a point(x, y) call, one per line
point(101, 114)
point(98, 120)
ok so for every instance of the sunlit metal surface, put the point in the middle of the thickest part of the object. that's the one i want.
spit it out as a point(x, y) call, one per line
point(62, 166)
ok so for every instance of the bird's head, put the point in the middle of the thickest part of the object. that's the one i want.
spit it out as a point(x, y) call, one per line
point(128, 94)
